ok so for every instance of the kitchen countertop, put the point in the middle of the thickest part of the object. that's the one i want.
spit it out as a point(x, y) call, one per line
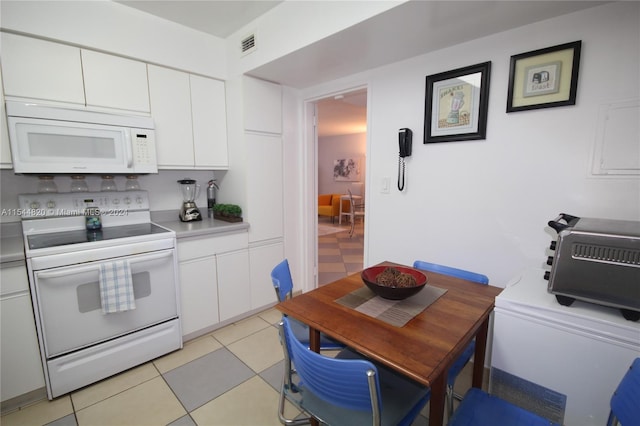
point(206, 226)
point(11, 242)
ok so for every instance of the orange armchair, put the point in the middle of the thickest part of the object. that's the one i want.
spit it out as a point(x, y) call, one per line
point(329, 205)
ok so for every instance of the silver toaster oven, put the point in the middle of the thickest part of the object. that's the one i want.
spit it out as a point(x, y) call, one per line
point(597, 261)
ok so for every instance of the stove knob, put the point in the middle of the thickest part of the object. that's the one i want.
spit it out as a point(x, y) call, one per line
point(34, 205)
point(550, 260)
point(127, 200)
point(51, 204)
point(553, 245)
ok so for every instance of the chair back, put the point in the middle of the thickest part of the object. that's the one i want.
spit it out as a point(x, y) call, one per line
point(282, 281)
point(348, 383)
point(625, 402)
point(454, 272)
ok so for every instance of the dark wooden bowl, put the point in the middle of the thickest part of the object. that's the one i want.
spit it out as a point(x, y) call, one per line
point(395, 293)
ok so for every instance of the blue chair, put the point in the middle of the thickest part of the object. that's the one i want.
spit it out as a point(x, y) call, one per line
point(625, 402)
point(348, 390)
point(283, 285)
point(481, 409)
point(478, 408)
point(463, 359)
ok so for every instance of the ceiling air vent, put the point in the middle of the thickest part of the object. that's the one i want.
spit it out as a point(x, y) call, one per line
point(248, 44)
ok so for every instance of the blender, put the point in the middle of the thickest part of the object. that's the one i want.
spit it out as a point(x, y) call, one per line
point(190, 190)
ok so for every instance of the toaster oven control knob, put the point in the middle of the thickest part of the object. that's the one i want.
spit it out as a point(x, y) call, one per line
point(553, 245)
point(547, 274)
point(550, 260)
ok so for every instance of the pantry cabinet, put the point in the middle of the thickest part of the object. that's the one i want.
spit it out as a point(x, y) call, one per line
point(189, 112)
point(262, 259)
point(41, 69)
point(20, 355)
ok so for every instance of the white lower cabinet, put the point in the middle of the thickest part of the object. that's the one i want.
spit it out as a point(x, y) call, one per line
point(233, 284)
point(199, 285)
point(214, 280)
point(20, 354)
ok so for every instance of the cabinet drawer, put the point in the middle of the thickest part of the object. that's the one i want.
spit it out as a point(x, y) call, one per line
point(193, 248)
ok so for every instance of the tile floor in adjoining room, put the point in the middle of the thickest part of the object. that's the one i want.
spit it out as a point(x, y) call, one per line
point(231, 376)
point(339, 254)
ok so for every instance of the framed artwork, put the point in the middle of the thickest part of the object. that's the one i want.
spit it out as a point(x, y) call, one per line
point(544, 78)
point(456, 104)
point(346, 169)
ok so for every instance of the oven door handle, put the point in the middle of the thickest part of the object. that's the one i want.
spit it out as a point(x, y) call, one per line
point(82, 269)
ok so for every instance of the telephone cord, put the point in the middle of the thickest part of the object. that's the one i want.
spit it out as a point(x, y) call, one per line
point(400, 173)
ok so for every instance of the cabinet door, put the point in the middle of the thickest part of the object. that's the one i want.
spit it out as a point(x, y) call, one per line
point(41, 70)
point(199, 289)
point(264, 187)
point(5, 146)
point(209, 113)
point(262, 259)
point(171, 111)
point(20, 355)
point(262, 106)
point(114, 82)
point(234, 290)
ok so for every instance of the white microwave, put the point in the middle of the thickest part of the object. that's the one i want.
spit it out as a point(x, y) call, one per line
point(47, 139)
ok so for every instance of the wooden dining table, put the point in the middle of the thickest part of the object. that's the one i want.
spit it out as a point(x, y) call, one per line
point(424, 348)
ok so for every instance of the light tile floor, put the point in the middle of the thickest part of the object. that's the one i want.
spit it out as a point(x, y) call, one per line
point(229, 377)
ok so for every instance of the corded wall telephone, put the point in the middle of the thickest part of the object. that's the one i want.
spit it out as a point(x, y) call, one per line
point(405, 137)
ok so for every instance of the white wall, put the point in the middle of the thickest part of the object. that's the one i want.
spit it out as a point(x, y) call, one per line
point(331, 148)
point(483, 205)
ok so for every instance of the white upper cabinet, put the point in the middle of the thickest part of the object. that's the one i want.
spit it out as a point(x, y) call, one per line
point(191, 122)
point(262, 106)
point(171, 111)
point(40, 69)
point(114, 82)
point(209, 111)
point(5, 148)
point(48, 71)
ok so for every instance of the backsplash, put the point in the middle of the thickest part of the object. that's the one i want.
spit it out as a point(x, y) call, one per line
point(164, 193)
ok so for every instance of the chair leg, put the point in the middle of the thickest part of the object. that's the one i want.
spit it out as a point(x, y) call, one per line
point(449, 399)
point(285, 421)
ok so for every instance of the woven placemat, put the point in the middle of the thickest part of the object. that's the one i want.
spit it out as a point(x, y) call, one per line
point(394, 312)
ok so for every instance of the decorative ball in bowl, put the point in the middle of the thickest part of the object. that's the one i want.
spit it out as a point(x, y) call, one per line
point(394, 282)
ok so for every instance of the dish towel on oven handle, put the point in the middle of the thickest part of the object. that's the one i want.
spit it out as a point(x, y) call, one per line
point(116, 287)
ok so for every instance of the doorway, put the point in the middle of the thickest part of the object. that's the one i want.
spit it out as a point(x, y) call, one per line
point(341, 147)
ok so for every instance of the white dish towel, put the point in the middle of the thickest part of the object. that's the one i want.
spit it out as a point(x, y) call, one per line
point(116, 287)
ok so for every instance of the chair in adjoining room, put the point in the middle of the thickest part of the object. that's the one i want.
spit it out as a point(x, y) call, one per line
point(355, 209)
point(349, 390)
point(464, 358)
point(283, 285)
point(478, 408)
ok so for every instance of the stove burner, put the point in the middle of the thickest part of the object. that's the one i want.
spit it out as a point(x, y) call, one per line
point(55, 239)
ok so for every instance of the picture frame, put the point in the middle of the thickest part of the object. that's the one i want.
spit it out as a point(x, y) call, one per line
point(544, 78)
point(346, 170)
point(456, 104)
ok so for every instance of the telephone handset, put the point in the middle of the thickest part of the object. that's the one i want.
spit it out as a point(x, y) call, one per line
point(405, 137)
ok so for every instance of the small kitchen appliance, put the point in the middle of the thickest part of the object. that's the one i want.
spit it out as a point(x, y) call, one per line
point(189, 211)
point(597, 261)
